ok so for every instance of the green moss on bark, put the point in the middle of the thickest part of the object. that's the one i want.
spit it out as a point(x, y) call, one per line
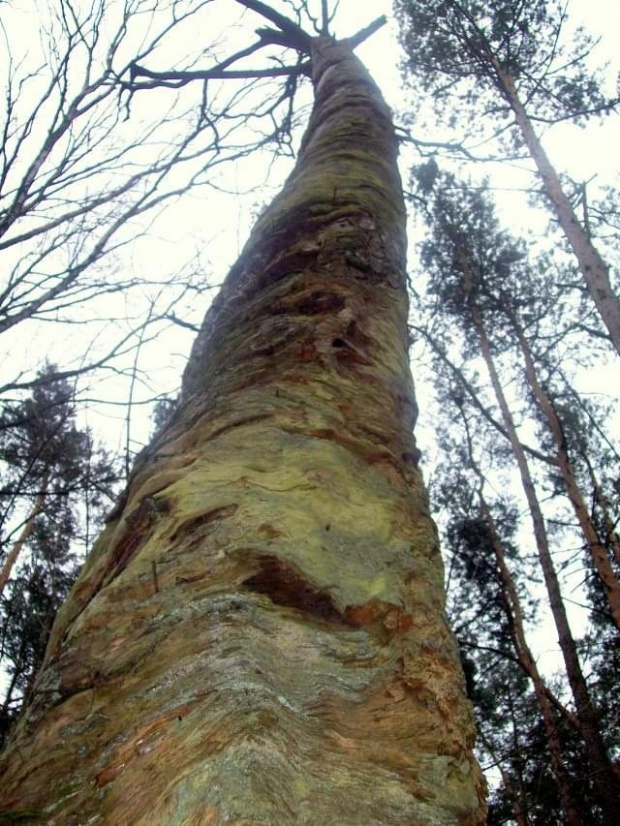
point(259, 636)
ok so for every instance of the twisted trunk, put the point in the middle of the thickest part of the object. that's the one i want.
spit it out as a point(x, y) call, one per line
point(259, 635)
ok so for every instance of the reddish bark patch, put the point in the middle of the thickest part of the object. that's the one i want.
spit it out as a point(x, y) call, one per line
point(155, 730)
point(107, 776)
point(239, 423)
point(140, 524)
point(317, 302)
point(388, 617)
point(284, 586)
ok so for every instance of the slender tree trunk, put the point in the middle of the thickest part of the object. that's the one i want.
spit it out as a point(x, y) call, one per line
point(605, 778)
point(517, 800)
point(25, 534)
point(518, 762)
point(8, 697)
point(596, 547)
point(593, 268)
point(528, 665)
point(259, 635)
point(601, 500)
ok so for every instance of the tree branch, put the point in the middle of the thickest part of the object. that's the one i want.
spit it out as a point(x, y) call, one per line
point(177, 79)
point(296, 36)
point(549, 460)
point(357, 39)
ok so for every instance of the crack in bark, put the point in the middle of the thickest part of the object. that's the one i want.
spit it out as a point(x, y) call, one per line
point(201, 524)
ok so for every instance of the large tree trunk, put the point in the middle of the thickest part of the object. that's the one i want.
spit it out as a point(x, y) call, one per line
point(259, 635)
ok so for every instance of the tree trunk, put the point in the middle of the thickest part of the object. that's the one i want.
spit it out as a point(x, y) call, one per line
point(26, 532)
point(597, 549)
point(518, 801)
point(259, 635)
point(529, 666)
point(591, 264)
point(601, 500)
point(605, 779)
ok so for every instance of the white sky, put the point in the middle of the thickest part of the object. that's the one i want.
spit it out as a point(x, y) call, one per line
point(215, 226)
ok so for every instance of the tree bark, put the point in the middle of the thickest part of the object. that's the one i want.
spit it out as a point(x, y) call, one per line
point(259, 634)
point(601, 500)
point(605, 778)
point(593, 268)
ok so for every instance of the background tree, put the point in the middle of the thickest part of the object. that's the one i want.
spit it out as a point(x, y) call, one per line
point(55, 485)
point(514, 60)
point(479, 280)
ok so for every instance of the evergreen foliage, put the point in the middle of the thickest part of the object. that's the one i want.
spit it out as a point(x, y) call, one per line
point(481, 281)
point(55, 485)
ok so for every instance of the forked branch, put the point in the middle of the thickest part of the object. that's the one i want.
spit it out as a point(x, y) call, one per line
point(288, 35)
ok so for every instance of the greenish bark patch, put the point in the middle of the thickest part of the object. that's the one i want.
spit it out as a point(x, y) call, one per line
point(258, 635)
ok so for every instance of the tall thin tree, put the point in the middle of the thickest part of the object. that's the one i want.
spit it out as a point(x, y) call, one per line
point(503, 57)
point(465, 251)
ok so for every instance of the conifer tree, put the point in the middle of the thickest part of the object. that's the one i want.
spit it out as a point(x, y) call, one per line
point(501, 59)
point(55, 484)
point(473, 266)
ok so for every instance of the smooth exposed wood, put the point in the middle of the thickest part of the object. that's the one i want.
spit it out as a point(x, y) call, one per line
point(18, 545)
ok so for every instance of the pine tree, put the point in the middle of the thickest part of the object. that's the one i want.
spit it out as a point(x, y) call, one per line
point(476, 270)
point(54, 481)
point(510, 59)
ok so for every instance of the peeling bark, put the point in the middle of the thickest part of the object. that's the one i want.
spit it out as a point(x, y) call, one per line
point(290, 661)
